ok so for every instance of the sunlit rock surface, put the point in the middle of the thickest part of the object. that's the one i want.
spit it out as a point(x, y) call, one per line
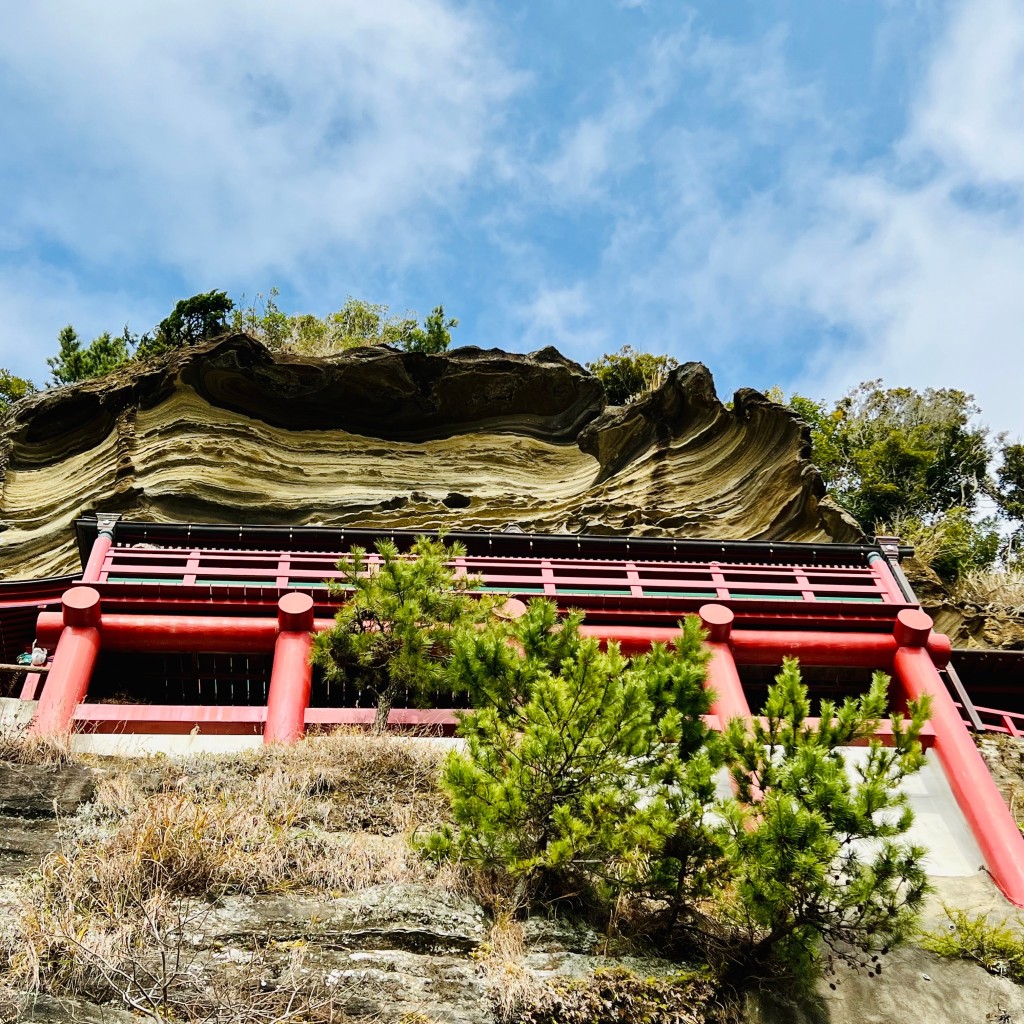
point(471, 439)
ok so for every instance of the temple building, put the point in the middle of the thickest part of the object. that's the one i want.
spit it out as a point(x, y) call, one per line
point(144, 625)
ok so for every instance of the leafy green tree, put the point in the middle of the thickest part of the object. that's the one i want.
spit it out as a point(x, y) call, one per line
point(627, 375)
point(264, 321)
point(813, 861)
point(1008, 491)
point(887, 452)
point(357, 324)
point(1009, 486)
point(400, 619)
point(75, 362)
point(12, 388)
point(434, 336)
point(191, 322)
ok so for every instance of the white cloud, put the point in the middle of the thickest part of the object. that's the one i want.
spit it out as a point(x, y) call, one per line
point(607, 141)
point(931, 274)
point(242, 138)
point(562, 316)
point(916, 255)
point(971, 110)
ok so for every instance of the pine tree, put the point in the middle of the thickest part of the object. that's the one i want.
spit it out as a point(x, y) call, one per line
point(399, 621)
point(814, 863)
point(74, 363)
point(69, 364)
point(553, 792)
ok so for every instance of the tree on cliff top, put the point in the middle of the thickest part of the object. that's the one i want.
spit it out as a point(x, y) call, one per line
point(74, 362)
point(888, 451)
point(908, 461)
point(192, 321)
point(12, 388)
point(355, 325)
point(627, 375)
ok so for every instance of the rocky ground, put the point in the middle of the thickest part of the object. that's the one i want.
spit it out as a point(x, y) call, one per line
point(1005, 759)
point(413, 947)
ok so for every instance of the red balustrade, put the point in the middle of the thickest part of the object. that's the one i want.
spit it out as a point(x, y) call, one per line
point(570, 581)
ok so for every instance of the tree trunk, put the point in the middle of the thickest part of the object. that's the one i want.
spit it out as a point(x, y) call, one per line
point(384, 702)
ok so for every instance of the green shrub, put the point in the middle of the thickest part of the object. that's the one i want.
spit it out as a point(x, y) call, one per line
point(598, 776)
point(996, 947)
point(953, 544)
point(813, 862)
point(627, 375)
point(12, 389)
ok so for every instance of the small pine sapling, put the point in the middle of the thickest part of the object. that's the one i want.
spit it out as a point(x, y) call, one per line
point(680, 782)
point(498, 665)
point(400, 620)
point(815, 866)
point(554, 791)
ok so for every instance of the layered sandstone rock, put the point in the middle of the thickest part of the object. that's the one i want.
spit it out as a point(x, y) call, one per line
point(471, 439)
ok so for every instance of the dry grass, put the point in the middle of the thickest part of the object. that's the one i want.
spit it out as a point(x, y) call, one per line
point(330, 815)
point(929, 542)
point(617, 994)
point(509, 984)
point(18, 747)
point(993, 588)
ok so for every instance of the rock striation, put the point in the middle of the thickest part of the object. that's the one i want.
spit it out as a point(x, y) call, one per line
point(471, 439)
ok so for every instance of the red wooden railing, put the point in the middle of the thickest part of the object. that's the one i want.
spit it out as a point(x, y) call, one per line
point(568, 580)
point(1009, 723)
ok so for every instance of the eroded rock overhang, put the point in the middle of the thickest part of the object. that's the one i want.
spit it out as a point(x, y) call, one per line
point(471, 439)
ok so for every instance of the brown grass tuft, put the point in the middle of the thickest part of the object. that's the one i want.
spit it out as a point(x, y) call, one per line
point(27, 749)
point(1003, 589)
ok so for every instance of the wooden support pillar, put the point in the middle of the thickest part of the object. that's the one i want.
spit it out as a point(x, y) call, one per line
point(292, 675)
point(723, 678)
point(73, 661)
point(975, 790)
point(105, 525)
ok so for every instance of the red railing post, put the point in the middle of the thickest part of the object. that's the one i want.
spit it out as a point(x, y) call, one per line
point(292, 674)
point(68, 679)
point(975, 790)
point(730, 700)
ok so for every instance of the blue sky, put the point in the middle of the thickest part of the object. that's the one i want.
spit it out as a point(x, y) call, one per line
point(799, 192)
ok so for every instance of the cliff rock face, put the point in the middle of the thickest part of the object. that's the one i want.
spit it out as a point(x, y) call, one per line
point(471, 439)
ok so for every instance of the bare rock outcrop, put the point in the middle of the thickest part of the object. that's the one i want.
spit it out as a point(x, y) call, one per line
point(471, 439)
point(32, 800)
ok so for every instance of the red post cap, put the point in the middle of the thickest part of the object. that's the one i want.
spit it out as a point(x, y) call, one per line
point(717, 620)
point(81, 607)
point(295, 613)
point(940, 648)
point(912, 628)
